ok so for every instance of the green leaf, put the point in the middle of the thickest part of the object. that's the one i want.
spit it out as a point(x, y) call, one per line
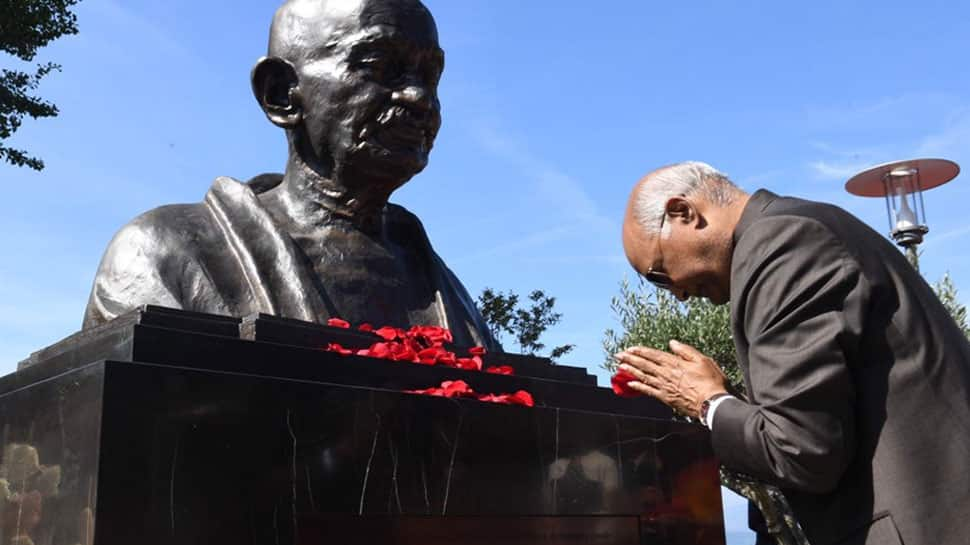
point(651, 317)
point(947, 292)
point(26, 26)
point(526, 325)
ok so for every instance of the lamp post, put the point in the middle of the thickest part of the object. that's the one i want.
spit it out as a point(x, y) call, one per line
point(902, 184)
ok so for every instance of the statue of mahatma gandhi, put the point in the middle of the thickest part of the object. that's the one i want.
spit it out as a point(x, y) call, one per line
point(354, 84)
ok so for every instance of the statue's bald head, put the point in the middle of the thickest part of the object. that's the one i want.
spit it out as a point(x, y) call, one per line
point(303, 26)
point(355, 84)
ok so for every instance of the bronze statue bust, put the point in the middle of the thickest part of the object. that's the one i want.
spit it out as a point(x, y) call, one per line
point(354, 85)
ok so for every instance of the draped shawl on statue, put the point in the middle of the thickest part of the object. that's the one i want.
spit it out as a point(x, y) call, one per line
point(227, 255)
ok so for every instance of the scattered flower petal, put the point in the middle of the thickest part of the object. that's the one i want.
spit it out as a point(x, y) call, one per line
point(460, 389)
point(337, 322)
point(473, 363)
point(620, 384)
point(335, 347)
point(518, 398)
point(431, 335)
point(425, 345)
point(457, 388)
point(389, 333)
point(523, 398)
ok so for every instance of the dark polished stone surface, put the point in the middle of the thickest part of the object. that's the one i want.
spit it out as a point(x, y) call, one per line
point(523, 530)
point(162, 336)
point(51, 434)
point(222, 440)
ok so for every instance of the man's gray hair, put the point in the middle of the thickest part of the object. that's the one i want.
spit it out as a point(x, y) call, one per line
point(680, 180)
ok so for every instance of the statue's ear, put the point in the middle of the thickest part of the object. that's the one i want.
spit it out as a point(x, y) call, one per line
point(277, 89)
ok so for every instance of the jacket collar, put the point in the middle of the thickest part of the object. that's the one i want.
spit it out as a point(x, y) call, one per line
point(753, 211)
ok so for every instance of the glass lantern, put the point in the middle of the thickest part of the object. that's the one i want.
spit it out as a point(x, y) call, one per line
point(904, 205)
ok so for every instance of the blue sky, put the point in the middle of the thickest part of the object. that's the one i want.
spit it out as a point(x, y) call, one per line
point(552, 110)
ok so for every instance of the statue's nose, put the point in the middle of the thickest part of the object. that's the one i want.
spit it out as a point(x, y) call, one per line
point(414, 95)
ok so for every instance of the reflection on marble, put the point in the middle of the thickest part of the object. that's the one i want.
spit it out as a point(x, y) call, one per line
point(49, 465)
point(24, 484)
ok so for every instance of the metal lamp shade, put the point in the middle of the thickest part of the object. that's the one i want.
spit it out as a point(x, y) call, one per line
point(902, 184)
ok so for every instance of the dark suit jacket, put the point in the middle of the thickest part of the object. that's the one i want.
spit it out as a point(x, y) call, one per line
point(858, 377)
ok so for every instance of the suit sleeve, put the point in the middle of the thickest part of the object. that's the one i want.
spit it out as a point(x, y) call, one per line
point(803, 300)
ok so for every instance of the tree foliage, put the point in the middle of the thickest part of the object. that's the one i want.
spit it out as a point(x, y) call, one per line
point(652, 317)
point(25, 27)
point(526, 324)
point(947, 292)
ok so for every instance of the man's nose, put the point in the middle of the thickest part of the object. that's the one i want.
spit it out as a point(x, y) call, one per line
point(414, 95)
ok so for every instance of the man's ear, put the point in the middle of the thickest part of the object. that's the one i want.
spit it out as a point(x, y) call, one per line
point(277, 90)
point(679, 208)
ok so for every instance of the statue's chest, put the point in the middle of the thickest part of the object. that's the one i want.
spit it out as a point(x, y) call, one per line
point(368, 280)
point(355, 272)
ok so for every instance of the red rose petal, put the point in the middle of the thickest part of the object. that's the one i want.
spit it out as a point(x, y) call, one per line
point(523, 398)
point(420, 344)
point(518, 398)
point(461, 389)
point(401, 352)
point(378, 350)
point(435, 354)
point(389, 333)
point(337, 322)
point(436, 392)
point(620, 386)
point(457, 388)
point(428, 356)
point(448, 358)
point(430, 335)
point(335, 347)
point(469, 364)
point(414, 344)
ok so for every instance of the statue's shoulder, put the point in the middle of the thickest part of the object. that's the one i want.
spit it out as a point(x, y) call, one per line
point(149, 261)
point(169, 228)
point(401, 220)
point(182, 230)
point(188, 230)
point(397, 213)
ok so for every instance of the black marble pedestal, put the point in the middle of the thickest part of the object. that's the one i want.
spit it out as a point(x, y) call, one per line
point(178, 428)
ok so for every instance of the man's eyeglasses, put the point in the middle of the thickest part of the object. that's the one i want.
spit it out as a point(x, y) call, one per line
point(655, 274)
